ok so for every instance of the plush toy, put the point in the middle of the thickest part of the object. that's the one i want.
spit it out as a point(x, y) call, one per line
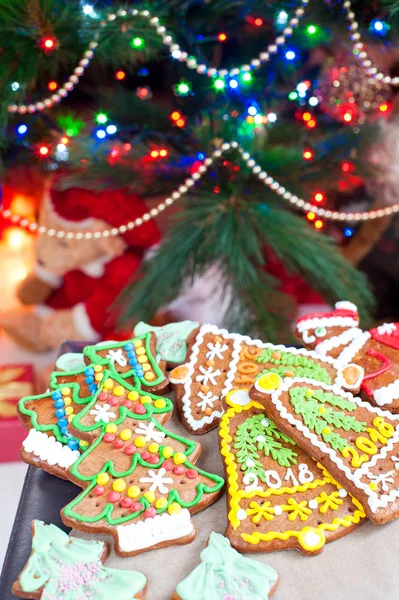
point(71, 292)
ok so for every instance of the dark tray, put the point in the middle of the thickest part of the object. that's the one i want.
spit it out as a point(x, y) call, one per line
point(43, 496)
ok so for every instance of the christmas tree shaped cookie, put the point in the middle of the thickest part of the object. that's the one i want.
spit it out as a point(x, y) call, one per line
point(277, 496)
point(226, 575)
point(140, 483)
point(134, 360)
point(356, 442)
point(70, 568)
point(220, 361)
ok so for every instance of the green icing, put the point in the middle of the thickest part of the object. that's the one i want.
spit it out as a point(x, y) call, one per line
point(70, 568)
point(70, 361)
point(259, 435)
point(317, 409)
point(171, 339)
point(302, 366)
point(224, 574)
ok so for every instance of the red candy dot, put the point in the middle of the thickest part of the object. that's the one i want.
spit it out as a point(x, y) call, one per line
point(136, 506)
point(109, 437)
point(99, 490)
point(113, 401)
point(127, 403)
point(140, 409)
point(126, 502)
point(130, 450)
point(150, 512)
point(118, 444)
point(146, 455)
point(102, 396)
point(114, 497)
point(192, 474)
point(154, 459)
point(167, 465)
point(179, 470)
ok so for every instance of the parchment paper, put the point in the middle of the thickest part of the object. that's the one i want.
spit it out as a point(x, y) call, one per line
point(362, 565)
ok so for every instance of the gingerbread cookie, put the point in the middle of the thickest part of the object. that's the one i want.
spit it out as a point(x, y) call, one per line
point(224, 574)
point(171, 340)
point(65, 567)
point(220, 361)
point(277, 496)
point(356, 442)
point(140, 483)
point(374, 353)
point(134, 360)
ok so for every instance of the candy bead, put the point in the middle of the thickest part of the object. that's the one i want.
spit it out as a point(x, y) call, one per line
point(145, 455)
point(126, 502)
point(90, 379)
point(109, 437)
point(70, 417)
point(137, 343)
point(125, 434)
point(83, 444)
point(130, 450)
point(154, 447)
point(150, 496)
point(174, 508)
point(167, 452)
point(140, 442)
point(133, 491)
point(179, 458)
point(149, 376)
point(59, 413)
point(119, 485)
point(146, 367)
point(150, 512)
point(99, 490)
point(56, 396)
point(161, 503)
point(62, 423)
point(133, 396)
point(58, 404)
point(113, 497)
point(98, 368)
point(127, 403)
point(102, 479)
point(179, 470)
point(102, 396)
point(128, 347)
point(111, 428)
point(65, 391)
point(140, 351)
point(158, 403)
point(145, 399)
point(192, 473)
point(69, 410)
point(87, 372)
point(136, 506)
point(68, 401)
point(73, 444)
point(118, 390)
point(108, 384)
point(142, 359)
point(167, 465)
point(140, 409)
point(154, 459)
point(113, 401)
point(118, 444)
point(99, 377)
point(64, 430)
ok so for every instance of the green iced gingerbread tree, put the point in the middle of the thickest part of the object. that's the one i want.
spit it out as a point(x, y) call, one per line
point(287, 364)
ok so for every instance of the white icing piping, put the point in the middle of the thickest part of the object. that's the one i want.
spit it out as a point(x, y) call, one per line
point(386, 328)
point(326, 322)
point(237, 346)
point(48, 449)
point(153, 531)
point(347, 355)
point(338, 340)
point(374, 500)
point(387, 394)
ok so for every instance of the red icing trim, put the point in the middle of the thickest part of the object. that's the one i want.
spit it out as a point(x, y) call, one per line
point(329, 315)
point(386, 364)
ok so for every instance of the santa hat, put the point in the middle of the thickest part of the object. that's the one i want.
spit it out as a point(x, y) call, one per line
point(77, 206)
point(344, 315)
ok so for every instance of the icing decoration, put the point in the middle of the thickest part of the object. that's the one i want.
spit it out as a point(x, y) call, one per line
point(70, 568)
point(208, 375)
point(158, 481)
point(387, 334)
point(207, 400)
point(49, 449)
point(178, 374)
point(70, 361)
point(287, 364)
point(336, 341)
point(117, 356)
point(224, 574)
point(386, 394)
point(216, 350)
point(381, 427)
point(386, 364)
point(353, 376)
point(268, 383)
point(102, 413)
point(284, 484)
point(149, 432)
point(171, 339)
point(348, 354)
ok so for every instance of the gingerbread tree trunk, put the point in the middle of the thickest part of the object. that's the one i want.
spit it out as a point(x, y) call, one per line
point(140, 481)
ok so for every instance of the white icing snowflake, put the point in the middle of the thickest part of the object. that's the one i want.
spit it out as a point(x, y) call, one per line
point(208, 375)
point(150, 433)
point(102, 413)
point(117, 356)
point(206, 400)
point(216, 350)
point(157, 480)
point(383, 478)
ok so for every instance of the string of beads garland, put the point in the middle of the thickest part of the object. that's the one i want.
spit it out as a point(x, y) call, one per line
point(175, 51)
point(331, 215)
point(360, 49)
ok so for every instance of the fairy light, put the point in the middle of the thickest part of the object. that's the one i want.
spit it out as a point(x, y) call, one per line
point(246, 77)
point(311, 29)
point(313, 101)
point(272, 117)
point(64, 140)
point(87, 9)
point(52, 86)
point(163, 152)
point(307, 154)
point(219, 84)
point(292, 96)
point(144, 93)
point(347, 167)
point(15, 86)
point(44, 150)
point(22, 129)
point(348, 117)
point(252, 110)
point(154, 153)
point(233, 83)
point(318, 197)
point(49, 43)
point(183, 88)
point(258, 22)
point(111, 129)
point(120, 75)
point(311, 123)
point(306, 116)
point(348, 232)
point(175, 116)
point(311, 216)
point(319, 224)
point(101, 134)
point(222, 37)
point(180, 123)
point(138, 43)
point(384, 107)
point(101, 118)
point(290, 55)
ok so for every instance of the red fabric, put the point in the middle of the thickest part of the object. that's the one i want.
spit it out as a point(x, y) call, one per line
point(340, 312)
point(97, 293)
point(116, 207)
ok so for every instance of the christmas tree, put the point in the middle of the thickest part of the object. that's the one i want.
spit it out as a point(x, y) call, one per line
point(245, 116)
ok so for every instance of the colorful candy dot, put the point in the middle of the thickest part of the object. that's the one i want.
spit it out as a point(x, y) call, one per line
point(73, 444)
point(146, 367)
point(58, 404)
point(118, 390)
point(167, 452)
point(62, 423)
point(102, 396)
point(108, 384)
point(192, 474)
point(90, 379)
point(145, 399)
point(127, 403)
point(70, 417)
point(69, 410)
point(150, 496)
point(98, 368)
point(136, 506)
point(133, 396)
point(109, 438)
point(102, 479)
point(119, 485)
point(161, 503)
point(65, 391)
point(126, 502)
point(113, 401)
point(322, 410)
point(167, 465)
point(99, 377)
point(113, 497)
point(83, 444)
point(111, 428)
point(154, 459)
point(56, 396)
point(142, 359)
point(133, 491)
point(179, 470)
point(326, 431)
point(137, 343)
point(174, 508)
point(140, 351)
point(125, 434)
point(68, 401)
point(140, 409)
point(59, 413)
point(149, 376)
point(159, 403)
point(140, 442)
point(99, 490)
point(128, 347)
point(118, 444)
point(179, 458)
point(145, 455)
point(154, 447)
point(130, 450)
point(150, 512)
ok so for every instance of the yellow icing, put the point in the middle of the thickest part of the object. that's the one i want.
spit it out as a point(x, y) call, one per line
point(311, 539)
